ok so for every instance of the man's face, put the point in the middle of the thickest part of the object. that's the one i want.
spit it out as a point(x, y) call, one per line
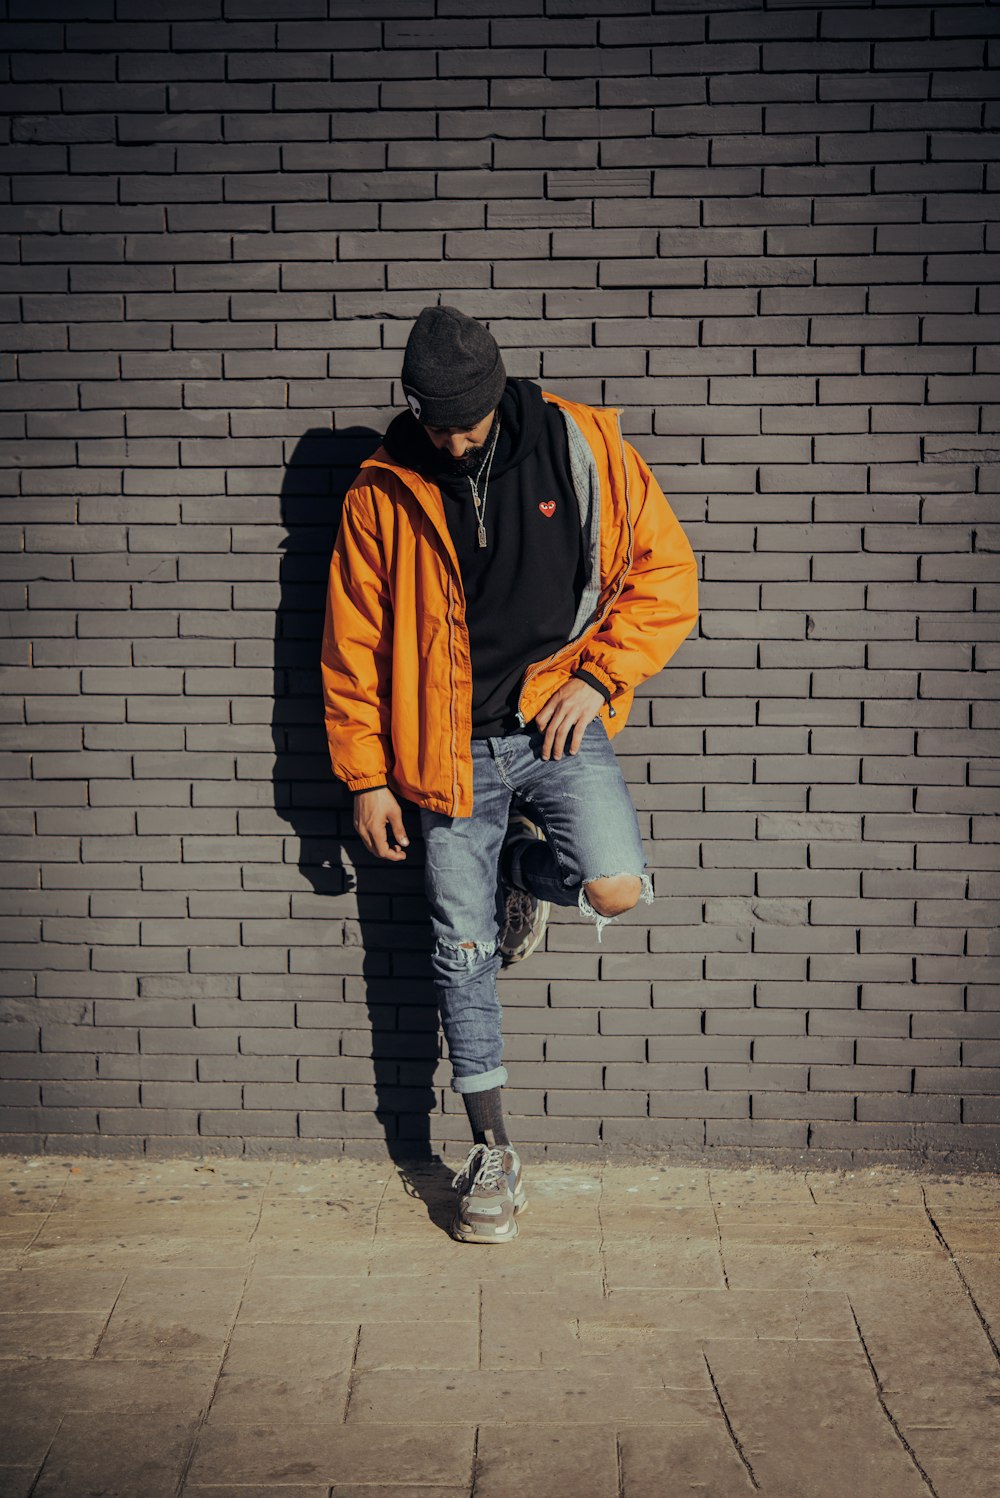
point(462, 449)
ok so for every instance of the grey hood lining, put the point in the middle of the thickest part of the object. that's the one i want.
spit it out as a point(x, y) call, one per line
point(583, 472)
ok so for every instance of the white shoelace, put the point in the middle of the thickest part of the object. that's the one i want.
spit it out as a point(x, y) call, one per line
point(488, 1172)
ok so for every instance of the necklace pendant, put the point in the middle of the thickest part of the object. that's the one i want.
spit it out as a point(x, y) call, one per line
point(481, 535)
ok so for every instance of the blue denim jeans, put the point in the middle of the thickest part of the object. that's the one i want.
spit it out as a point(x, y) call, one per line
point(582, 804)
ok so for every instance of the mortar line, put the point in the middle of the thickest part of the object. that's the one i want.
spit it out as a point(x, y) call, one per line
point(479, 1327)
point(260, 1206)
point(203, 1418)
point(729, 1424)
point(107, 1320)
point(718, 1233)
point(885, 1408)
point(41, 1465)
point(44, 1222)
point(350, 1376)
point(393, 1170)
point(600, 1246)
point(964, 1282)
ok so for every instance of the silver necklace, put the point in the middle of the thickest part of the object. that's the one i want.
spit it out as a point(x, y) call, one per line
point(480, 502)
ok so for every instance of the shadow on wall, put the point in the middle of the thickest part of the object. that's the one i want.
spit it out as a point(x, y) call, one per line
point(387, 933)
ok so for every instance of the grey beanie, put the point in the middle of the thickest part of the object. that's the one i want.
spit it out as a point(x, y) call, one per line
point(453, 374)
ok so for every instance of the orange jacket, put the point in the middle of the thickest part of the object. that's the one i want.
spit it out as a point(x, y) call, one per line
point(397, 679)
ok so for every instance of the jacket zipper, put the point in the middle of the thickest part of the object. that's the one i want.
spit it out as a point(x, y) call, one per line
point(595, 627)
point(453, 695)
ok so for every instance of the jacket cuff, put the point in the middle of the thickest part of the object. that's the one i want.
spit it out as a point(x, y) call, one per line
point(366, 783)
point(596, 677)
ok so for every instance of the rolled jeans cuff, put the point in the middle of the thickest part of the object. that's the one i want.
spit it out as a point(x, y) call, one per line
point(481, 1081)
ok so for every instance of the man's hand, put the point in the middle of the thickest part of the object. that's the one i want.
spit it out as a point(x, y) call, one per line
point(373, 812)
point(565, 716)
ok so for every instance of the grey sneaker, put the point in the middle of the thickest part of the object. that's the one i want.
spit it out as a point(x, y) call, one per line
point(491, 1193)
point(525, 917)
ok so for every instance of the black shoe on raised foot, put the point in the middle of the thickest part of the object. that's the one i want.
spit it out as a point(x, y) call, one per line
point(525, 917)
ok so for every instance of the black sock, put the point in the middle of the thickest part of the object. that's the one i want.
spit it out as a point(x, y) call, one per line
point(485, 1112)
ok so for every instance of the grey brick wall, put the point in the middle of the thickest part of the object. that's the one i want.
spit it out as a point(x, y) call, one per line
point(769, 233)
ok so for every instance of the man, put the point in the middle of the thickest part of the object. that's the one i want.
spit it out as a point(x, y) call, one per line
point(506, 572)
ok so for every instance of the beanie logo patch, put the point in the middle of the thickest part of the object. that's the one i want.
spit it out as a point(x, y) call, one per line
point(413, 404)
point(548, 508)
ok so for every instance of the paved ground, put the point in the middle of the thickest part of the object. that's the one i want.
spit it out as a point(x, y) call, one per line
point(218, 1328)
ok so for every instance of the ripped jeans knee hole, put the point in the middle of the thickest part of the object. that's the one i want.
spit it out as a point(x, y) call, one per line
point(467, 953)
point(586, 909)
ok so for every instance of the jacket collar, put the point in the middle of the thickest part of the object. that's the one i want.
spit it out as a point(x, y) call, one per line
point(427, 495)
point(598, 424)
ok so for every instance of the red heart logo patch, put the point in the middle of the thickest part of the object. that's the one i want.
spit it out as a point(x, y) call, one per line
point(547, 507)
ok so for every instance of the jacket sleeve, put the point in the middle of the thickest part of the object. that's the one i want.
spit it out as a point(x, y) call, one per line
point(356, 660)
point(658, 605)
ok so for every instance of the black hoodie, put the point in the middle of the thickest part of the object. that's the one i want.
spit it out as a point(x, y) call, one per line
point(523, 588)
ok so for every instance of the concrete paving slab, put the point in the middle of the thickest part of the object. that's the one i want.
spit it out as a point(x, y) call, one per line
point(50, 1334)
point(314, 1221)
point(60, 1289)
point(970, 1233)
point(172, 1313)
point(289, 1351)
point(386, 1490)
point(115, 1456)
point(922, 1333)
point(311, 1258)
point(149, 1235)
point(419, 1344)
point(290, 1490)
point(554, 1459)
point(960, 1460)
point(736, 1188)
point(807, 1420)
point(766, 1266)
point(696, 1459)
point(318, 1298)
point(311, 1329)
point(323, 1490)
point(38, 1180)
point(17, 1482)
point(18, 1230)
point(37, 1386)
point(545, 1332)
point(961, 1194)
point(622, 1224)
point(166, 1183)
point(537, 1258)
point(816, 1315)
point(880, 1186)
point(981, 1273)
point(267, 1399)
point(528, 1397)
point(664, 1264)
point(279, 1372)
point(300, 1453)
point(360, 1180)
point(26, 1439)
